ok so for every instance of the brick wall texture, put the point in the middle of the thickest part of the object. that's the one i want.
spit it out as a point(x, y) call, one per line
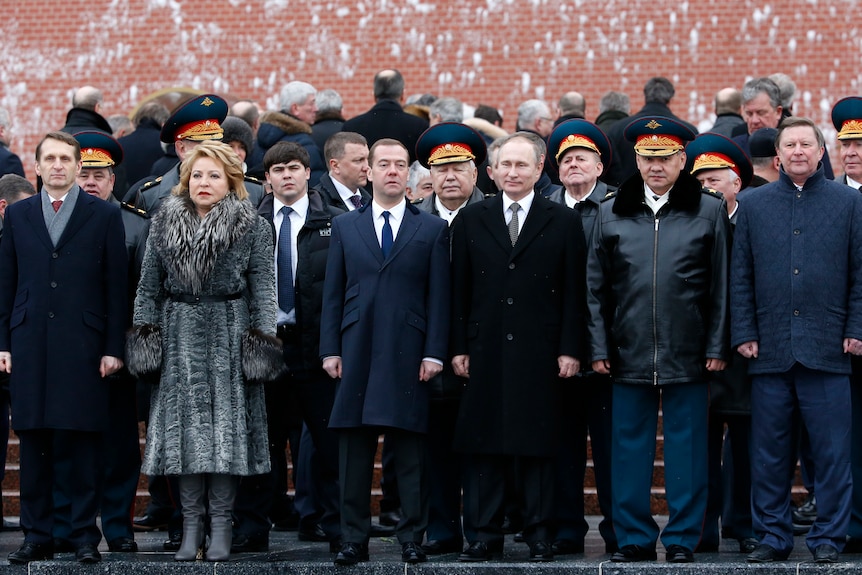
point(498, 52)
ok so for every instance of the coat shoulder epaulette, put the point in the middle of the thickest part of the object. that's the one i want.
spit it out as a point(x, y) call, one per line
point(252, 179)
point(711, 192)
point(417, 201)
point(134, 210)
point(609, 195)
point(150, 184)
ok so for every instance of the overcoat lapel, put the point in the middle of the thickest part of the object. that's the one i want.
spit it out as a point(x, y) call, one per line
point(408, 228)
point(537, 219)
point(37, 222)
point(82, 212)
point(496, 223)
point(365, 229)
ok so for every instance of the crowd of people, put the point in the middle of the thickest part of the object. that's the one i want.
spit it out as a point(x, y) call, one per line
point(488, 302)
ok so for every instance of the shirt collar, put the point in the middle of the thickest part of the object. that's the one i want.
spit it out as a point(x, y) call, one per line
point(396, 211)
point(343, 191)
point(300, 206)
point(524, 202)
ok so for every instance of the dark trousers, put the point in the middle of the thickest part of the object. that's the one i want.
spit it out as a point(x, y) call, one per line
point(585, 410)
point(729, 478)
point(685, 408)
point(485, 494)
point(444, 473)
point(822, 400)
point(356, 450)
point(37, 457)
point(855, 529)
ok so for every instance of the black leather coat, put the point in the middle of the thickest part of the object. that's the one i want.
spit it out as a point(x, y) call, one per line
point(658, 284)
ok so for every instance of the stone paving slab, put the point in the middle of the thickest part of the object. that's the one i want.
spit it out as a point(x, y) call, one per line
point(288, 556)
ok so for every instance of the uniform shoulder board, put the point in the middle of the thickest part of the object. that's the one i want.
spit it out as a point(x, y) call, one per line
point(134, 210)
point(252, 179)
point(712, 192)
point(417, 201)
point(150, 184)
point(609, 195)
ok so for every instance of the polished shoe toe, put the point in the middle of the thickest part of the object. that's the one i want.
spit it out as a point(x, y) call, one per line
point(412, 553)
point(765, 554)
point(173, 542)
point(87, 553)
point(31, 552)
point(678, 554)
point(150, 523)
point(313, 532)
point(567, 547)
point(351, 554)
point(541, 551)
point(825, 554)
point(442, 546)
point(633, 553)
point(748, 544)
point(257, 543)
point(122, 545)
point(479, 551)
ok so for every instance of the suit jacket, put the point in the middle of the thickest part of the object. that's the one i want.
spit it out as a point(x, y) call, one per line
point(327, 191)
point(61, 309)
point(10, 163)
point(515, 310)
point(383, 316)
point(387, 119)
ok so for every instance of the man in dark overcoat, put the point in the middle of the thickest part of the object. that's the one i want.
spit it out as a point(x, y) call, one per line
point(517, 309)
point(384, 332)
point(63, 312)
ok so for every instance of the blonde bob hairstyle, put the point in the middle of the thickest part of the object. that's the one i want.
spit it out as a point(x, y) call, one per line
point(222, 154)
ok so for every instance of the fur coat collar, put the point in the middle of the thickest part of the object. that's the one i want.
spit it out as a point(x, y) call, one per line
point(189, 245)
point(286, 123)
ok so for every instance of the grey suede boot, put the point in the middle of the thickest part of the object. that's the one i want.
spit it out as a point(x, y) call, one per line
point(192, 489)
point(221, 496)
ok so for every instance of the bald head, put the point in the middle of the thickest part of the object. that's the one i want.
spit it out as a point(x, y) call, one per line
point(388, 85)
point(728, 101)
point(573, 104)
point(88, 98)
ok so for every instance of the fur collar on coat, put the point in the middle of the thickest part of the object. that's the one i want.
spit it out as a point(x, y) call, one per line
point(190, 245)
point(286, 123)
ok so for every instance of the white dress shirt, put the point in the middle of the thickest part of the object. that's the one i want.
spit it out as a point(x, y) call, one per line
point(297, 220)
point(524, 209)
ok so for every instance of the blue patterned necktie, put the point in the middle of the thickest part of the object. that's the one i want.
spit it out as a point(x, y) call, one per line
point(386, 240)
point(285, 267)
point(356, 201)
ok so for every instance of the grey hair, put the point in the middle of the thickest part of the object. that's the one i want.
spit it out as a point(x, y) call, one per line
point(449, 109)
point(616, 101)
point(786, 89)
point(529, 111)
point(754, 87)
point(538, 144)
point(87, 97)
point(416, 173)
point(295, 92)
point(573, 104)
point(328, 101)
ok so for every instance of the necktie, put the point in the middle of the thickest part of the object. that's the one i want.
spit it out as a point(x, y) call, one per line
point(386, 240)
point(285, 267)
point(56, 204)
point(356, 200)
point(513, 223)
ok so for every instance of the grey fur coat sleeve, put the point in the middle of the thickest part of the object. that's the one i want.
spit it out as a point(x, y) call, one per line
point(143, 342)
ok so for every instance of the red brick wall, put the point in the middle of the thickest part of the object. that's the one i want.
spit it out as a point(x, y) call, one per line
point(498, 52)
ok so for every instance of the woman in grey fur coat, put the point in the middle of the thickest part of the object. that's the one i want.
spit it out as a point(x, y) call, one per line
point(204, 322)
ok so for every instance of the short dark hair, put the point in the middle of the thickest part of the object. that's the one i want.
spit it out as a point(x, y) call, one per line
point(488, 113)
point(386, 142)
point(658, 89)
point(62, 137)
point(12, 186)
point(540, 149)
point(284, 152)
point(337, 142)
point(797, 122)
point(388, 85)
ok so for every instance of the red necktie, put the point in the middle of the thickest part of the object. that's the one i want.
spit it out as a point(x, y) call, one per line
point(57, 204)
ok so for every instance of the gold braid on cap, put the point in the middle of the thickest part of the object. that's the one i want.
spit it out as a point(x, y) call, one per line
point(657, 145)
point(713, 161)
point(201, 130)
point(576, 141)
point(96, 158)
point(850, 130)
point(451, 152)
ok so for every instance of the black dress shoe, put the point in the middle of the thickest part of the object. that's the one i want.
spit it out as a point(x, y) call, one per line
point(122, 545)
point(480, 551)
point(748, 544)
point(678, 554)
point(150, 523)
point(806, 513)
point(389, 518)
point(853, 545)
point(519, 537)
point(312, 532)
point(540, 551)
point(351, 554)
point(412, 553)
point(31, 552)
point(766, 554)
point(825, 553)
point(87, 553)
point(173, 542)
point(257, 543)
point(63, 546)
point(441, 546)
point(567, 547)
point(633, 553)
